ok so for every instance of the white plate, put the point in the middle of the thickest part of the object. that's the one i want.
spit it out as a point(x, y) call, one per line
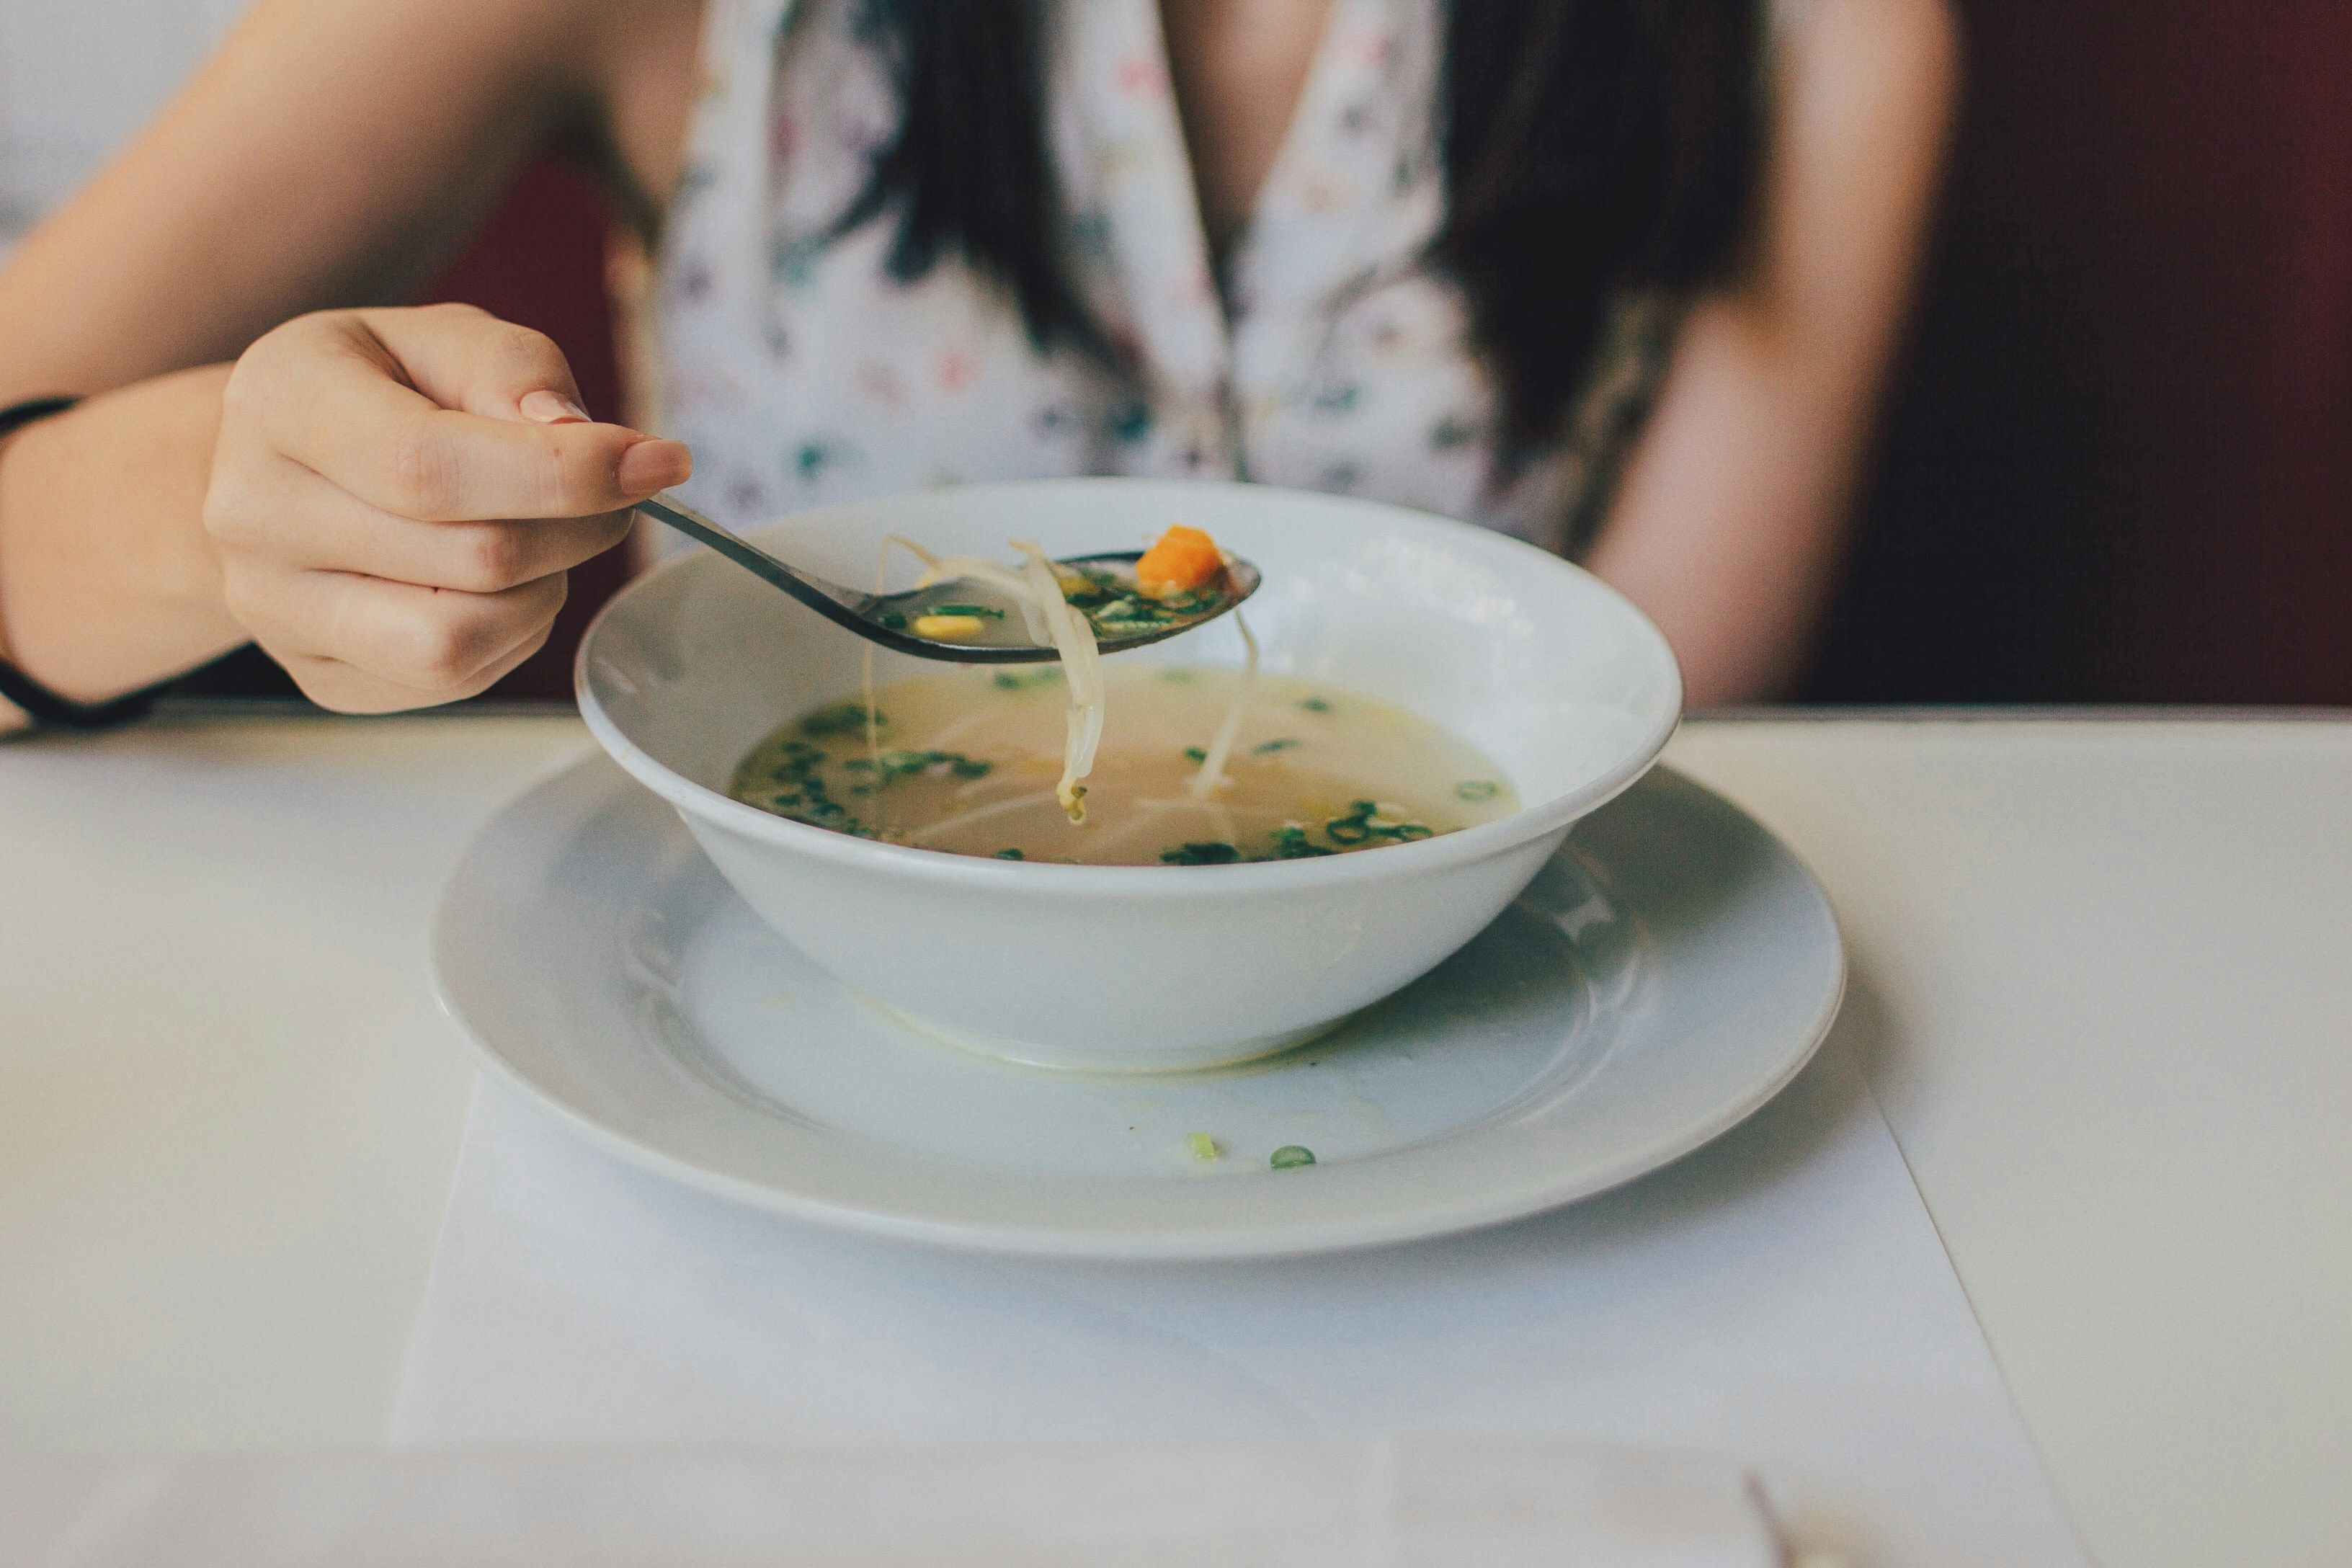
point(1667, 973)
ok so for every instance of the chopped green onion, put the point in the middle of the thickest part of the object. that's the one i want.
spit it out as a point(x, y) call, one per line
point(895, 764)
point(1290, 844)
point(842, 719)
point(1290, 1156)
point(1315, 705)
point(1477, 789)
point(1010, 855)
point(1267, 748)
point(1196, 753)
point(1202, 1147)
point(1208, 853)
point(1359, 826)
point(981, 610)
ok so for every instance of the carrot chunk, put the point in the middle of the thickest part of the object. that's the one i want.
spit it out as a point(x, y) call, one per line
point(1183, 560)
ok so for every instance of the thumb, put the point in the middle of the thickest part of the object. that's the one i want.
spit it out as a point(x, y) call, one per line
point(465, 358)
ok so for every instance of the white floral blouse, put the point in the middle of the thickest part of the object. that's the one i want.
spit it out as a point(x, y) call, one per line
point(1333, 358)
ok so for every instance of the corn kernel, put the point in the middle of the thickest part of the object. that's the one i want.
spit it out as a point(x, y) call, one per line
point(947, 629)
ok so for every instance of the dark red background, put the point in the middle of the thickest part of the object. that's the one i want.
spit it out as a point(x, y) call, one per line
point(2117, 465)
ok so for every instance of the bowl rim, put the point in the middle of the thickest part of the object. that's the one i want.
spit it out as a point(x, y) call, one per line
point(1427, 855)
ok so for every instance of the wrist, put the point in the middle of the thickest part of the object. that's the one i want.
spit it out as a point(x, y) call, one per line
point(108, 582)
point(12, 419)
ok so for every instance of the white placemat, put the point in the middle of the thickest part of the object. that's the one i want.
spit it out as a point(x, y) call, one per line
point(1327, 1503)
point(1778, 1299)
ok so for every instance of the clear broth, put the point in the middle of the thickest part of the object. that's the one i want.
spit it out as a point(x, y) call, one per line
point(966, 761)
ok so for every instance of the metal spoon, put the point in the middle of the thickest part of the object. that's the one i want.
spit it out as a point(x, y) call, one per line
point(887, 618)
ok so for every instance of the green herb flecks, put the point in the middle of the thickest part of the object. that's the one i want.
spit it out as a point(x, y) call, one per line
point(982, 612)
point(1290, 1157)
point(1291, 843)
point(894, 766)
point(840, 719)
point(1367, 823)
point(1009, 681)
point(1196, 753)
point(1477, 789)
point(801, 792)
point(1118, 610)
point(1214, 853)
point(1009, 855)
point(1202, 1147)
point(1267, 748)
point(1315, 705)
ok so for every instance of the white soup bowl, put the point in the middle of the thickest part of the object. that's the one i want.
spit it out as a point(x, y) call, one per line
point(1556, 679)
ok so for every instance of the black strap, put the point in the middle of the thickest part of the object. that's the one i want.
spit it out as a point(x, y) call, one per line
point(43, 706)
point(17, 415)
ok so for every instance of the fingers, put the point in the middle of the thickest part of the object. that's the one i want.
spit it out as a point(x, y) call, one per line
point(345, 689)
point(337, 394)
point(467, 358)
point(281, 510)
point(396, 495)
point(419, 644)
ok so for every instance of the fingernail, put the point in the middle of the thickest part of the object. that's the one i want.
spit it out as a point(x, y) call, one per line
point(653, 465)
point(553, 408)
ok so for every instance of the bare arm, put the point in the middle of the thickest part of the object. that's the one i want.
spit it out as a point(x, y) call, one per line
point(1734, 510)
point(328, 156)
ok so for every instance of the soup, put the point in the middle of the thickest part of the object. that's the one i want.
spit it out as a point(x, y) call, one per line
point(966, 761)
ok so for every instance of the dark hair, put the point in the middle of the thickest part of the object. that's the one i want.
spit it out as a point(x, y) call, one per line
point(1588, 146)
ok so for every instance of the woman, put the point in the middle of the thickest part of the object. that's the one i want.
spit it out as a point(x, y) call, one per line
point(1621, 275)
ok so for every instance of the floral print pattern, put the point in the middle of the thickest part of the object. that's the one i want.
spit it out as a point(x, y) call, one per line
point(1334, 357)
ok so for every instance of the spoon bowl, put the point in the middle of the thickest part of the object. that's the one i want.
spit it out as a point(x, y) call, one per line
point(997, 633)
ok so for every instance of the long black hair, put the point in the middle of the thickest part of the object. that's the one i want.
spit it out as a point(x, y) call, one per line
point(1589, 147)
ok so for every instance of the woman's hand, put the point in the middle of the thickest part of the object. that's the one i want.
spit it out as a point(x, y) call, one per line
point(396, 495)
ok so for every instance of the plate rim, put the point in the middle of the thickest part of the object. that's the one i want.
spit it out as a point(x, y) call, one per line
point(1394, 1225)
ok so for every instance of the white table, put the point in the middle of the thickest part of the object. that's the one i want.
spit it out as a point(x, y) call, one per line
point(2107, 964)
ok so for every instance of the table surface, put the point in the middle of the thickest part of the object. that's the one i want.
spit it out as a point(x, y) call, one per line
point(2103, 962)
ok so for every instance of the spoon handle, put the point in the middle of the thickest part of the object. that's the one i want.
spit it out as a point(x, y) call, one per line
point(822, 598)
point(843, 606)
